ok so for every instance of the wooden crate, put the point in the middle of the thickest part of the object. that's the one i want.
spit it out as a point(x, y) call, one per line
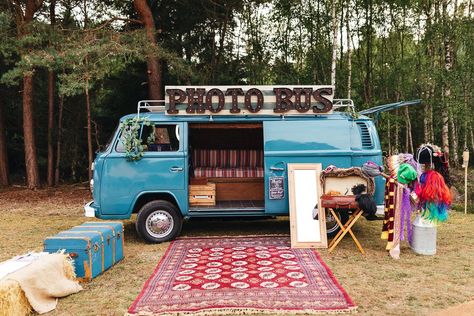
point(202, 195)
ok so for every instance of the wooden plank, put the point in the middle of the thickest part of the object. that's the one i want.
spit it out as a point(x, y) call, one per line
point(233, 191)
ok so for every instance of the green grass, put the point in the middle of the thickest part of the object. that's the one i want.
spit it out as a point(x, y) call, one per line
point(379, 285)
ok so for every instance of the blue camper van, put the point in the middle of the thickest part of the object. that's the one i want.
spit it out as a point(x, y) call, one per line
point(218, 151)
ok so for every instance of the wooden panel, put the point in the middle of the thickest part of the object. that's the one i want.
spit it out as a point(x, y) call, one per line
point(231, 191)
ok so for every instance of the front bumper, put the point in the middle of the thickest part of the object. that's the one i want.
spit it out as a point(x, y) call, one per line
point(89, 210)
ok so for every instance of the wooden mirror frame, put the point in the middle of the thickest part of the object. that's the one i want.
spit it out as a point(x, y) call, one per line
point(293, 196)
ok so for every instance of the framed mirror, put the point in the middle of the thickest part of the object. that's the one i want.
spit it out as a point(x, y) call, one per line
point(307, 218)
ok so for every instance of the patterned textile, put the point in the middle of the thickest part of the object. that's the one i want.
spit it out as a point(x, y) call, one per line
point(238, 275)
point(201, 172)
point(227, 158)
point(389, 212)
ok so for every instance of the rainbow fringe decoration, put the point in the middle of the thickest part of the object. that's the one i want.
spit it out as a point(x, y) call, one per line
point(435, 197)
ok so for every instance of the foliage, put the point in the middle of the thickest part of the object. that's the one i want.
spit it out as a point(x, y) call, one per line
point(130, 137)
point(397, 53)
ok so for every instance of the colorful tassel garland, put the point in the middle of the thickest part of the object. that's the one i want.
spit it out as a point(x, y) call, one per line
point(435, 197)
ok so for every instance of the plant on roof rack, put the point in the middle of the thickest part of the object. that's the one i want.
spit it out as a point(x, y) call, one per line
point(131, 140)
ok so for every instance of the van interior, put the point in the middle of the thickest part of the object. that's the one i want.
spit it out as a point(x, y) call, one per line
point(226, 167)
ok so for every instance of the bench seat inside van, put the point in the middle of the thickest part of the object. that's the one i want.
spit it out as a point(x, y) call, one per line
point(227, 163)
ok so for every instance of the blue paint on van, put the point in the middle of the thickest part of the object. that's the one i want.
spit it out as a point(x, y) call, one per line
point(331, 139)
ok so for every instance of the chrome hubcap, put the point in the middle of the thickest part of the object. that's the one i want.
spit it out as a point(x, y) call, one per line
point(159, 224)
point(331, 224)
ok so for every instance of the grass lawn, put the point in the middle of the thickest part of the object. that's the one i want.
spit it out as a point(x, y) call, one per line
point(378, 284)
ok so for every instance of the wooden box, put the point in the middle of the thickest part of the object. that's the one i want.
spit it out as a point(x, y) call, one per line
point(202, 195)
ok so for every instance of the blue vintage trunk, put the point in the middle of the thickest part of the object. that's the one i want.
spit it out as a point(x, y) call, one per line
point(118, 237)
point(107, 237)
point(85, 248)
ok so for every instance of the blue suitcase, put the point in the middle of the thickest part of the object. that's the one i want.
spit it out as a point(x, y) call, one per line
point(85, 248)
point(107, 241)
point(117, 240)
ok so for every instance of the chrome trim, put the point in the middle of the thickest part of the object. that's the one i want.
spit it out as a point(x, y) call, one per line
point(159, 224)
point(88, 210)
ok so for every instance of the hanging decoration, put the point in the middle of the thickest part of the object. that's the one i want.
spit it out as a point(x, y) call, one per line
point(131, 138)
point(434, 196)
point(399, 190)
point(434, 158)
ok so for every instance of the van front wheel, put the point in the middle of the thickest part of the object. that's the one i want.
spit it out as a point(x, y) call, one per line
point(158, 221)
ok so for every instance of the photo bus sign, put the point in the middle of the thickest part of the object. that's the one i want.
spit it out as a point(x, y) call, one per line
point(248, 100)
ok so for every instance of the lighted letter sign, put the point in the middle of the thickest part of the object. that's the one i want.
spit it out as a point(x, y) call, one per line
point(248, 100)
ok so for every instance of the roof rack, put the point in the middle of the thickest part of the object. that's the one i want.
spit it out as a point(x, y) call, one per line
point(151, 106)
point(343, 103)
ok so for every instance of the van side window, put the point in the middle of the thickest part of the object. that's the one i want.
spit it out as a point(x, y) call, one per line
point(156, 138)
point(160, 138)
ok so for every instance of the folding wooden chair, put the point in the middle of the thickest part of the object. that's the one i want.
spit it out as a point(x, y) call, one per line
point(345, 202)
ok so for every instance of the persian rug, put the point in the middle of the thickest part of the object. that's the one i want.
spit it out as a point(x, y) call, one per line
point(237, 275)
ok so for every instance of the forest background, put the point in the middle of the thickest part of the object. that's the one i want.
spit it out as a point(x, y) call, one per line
point(69, 69)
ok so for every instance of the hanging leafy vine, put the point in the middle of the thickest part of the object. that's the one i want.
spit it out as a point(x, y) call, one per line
point(131, 140)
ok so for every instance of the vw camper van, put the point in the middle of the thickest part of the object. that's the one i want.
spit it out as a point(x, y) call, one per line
point(223, 151)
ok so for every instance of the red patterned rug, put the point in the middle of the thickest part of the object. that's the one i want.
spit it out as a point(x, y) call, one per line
point(236, 275)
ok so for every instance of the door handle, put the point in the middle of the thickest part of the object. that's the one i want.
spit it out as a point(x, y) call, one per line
point(176, 169)
point(277, 169)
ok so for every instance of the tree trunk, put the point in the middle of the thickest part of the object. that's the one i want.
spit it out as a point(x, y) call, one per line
point(445, 125)
point(397, 132)
point(454, 139)
point(223, 32)
point(154, 72)
point(50, 171)
point(349, 53)
point(58, 139)
point(32, 173)
point(408, 138)
point(426, 133)
point(31, 162)
point(397, 126)
point(368, 57)
point(448, 65)
point(472, 138)
point(466, 110)
point(334, 43)
point(4, 172)
point(389, 137)
point(430, 115)
point(89, 127)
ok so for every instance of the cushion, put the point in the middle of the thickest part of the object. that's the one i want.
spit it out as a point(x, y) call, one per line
point(210, 172)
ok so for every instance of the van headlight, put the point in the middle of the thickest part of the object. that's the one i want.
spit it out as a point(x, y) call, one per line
point(91, 185)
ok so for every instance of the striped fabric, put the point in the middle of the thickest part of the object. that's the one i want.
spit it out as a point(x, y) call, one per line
point(228, 158)
point(227, 163)
point(211, 172)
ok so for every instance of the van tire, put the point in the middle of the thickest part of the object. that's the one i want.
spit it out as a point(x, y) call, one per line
point(332, 227)
point(158, 221)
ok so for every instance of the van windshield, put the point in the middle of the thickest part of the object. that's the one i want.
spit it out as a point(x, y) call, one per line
point(109, 141)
